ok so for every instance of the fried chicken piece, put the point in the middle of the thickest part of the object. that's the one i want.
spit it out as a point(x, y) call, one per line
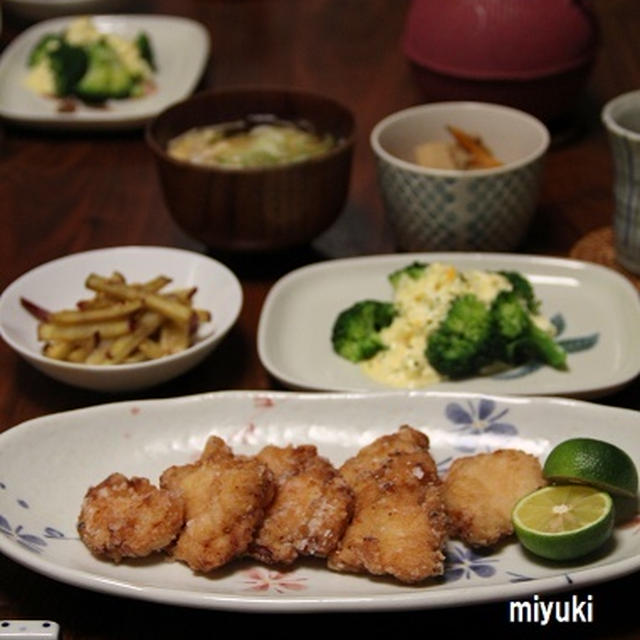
point(373, 456)
point(311, 510)
point(399, 526)
point(122, 517)
point(480, 492)
point(216, 448)
point(225, 500)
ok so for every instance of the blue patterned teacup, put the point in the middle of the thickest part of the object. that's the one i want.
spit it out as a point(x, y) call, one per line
point(460, 209)
point(621, 117)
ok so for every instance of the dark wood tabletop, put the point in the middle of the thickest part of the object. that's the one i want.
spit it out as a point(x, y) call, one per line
point(63, 192)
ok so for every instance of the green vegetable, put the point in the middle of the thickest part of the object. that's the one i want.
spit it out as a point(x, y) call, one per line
point(523, 288)
point(460, 346)
point(68, 64)
point(106, 77)
point(145, 50)
point(355, 334)
point(515, 337)
point(414, 270)
point(92, 71)
point(472, 335)
point(48, 43)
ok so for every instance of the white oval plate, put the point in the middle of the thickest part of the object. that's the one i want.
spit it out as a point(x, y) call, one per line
point(598, 308)
point(47, 464)
point(181, 48)
point(60, 284)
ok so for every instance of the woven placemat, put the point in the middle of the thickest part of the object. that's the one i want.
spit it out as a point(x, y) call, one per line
point(597, 246)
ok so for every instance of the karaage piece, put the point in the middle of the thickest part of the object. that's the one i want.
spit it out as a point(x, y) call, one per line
point(311, 510)
point(216, 448)
point(225, 501)
point(480, 492)
point(399, 527)
point(372, 457)
point(122, 517)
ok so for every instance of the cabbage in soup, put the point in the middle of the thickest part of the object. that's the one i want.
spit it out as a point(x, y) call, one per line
point(249, 143)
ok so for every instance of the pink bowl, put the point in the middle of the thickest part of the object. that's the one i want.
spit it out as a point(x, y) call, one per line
point(532, 54)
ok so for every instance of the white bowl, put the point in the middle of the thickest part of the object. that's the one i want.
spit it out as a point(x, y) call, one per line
point(449, 209)
point(60, 284)
point(44, 9)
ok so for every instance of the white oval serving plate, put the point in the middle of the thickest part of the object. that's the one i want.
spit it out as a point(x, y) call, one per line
point(47, 464)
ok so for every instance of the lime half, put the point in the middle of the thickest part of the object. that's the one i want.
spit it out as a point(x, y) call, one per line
point(563, 522)
point(593, 462)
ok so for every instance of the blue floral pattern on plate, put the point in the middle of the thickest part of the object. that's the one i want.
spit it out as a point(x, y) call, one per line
point(30, 541)
point(466, 563)
point(570, 345)
point(477, 418)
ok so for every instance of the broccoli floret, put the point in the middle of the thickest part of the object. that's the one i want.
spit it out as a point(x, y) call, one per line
point(68, 64)
point(516, 338)
point(145, 50)
point(414, 270)
point(48, 43)
point(460, 346)
point(106, 76)
point(522, 287)
point(355, 334)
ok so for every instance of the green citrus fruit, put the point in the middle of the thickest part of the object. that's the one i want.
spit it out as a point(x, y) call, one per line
point(563, 522)
point(593, 462)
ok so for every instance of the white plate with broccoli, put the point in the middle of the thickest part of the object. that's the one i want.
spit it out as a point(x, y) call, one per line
point(574, 332)
point(100, 72)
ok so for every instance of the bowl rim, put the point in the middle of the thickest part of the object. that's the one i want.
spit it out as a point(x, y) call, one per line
point(382, 153)
point(36, 356)
point(343, 145)
point(609, 114)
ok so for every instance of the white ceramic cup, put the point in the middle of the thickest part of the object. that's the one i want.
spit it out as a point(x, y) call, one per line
point(621, 117)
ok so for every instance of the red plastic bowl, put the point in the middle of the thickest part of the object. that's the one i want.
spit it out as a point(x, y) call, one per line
point(535, 55)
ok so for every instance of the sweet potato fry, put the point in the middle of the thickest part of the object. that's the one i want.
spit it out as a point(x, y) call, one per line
point(172, 309)
point(58, 350)
point(155, 284)
point(75, 332)
point(151, 349)
point(100, 353)
point(82, 349)
point(122, 322)
point(126, 344)
point(174, 337)
point(38, 312)
point(114, 310)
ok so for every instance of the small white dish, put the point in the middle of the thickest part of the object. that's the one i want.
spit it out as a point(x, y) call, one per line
point(181, 48)
point(598, 308)
point(45, 9)
point(60, 284)
point(80, 448)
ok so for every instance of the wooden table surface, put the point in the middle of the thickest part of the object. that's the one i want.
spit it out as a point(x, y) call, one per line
point(67, 192)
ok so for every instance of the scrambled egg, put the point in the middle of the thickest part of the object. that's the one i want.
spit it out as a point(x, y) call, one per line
point(422, 303)
point(82, 31)
point(40, 79)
